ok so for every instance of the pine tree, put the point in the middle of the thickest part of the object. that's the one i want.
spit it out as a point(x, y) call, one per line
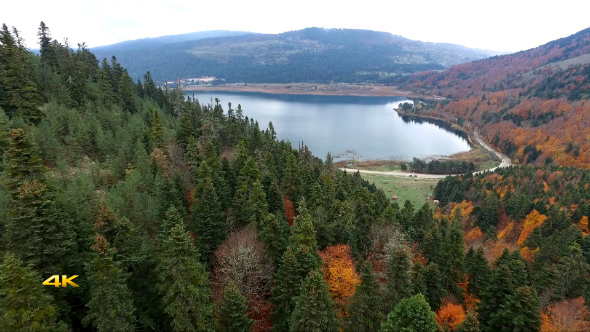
point(364, 311)
point(110, 308)
point(24, 304)
point(314, 309)
point(157, 132)
point(411, 315)
point(250, 200)
point(399, 285)
point(233, 312)
point(187, 298)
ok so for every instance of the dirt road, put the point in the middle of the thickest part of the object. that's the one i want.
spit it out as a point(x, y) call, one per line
point(505, 163)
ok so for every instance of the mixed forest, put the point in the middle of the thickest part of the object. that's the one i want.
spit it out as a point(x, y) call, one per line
point(179, 215)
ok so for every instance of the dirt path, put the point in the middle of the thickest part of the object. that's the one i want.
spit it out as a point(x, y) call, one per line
point(505, 163)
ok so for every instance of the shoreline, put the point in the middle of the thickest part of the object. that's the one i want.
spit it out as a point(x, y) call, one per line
point(333, 89)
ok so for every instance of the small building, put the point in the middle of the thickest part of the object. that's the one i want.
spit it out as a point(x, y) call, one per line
point(394, 198)
point(430, 196)
point(436, 201)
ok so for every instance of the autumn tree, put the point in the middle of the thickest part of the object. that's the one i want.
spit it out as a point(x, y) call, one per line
point(339, 274)
point(450, 316)
point(565, 316)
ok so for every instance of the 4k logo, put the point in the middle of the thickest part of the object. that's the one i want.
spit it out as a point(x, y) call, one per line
point(64, 281)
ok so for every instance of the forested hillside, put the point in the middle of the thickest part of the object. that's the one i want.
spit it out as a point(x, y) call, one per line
point(309, 55)
point(533, 105)
point(182, 216)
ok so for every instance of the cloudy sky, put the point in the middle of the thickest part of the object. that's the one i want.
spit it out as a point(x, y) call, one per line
point(500, 25)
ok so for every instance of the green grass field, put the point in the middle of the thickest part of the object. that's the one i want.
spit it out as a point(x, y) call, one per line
point(416, 190)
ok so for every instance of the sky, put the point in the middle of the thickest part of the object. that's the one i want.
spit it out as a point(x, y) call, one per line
point(499, 25)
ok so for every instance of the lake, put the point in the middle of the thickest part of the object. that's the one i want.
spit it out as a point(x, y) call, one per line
point(367, 125)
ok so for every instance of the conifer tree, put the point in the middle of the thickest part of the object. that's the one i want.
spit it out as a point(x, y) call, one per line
point(24, 304)
point(314, 309)
point(453, 255)
point(35, 233)
point(292, 179)
point(208, 223)
point(233, 312)
point(364, 311)
point(411, 315)
point(273, 233)
point(478, 271)
point(520, 312)
point(187, 298)
point(399, 285)
point(110, 308)
point(299, 259)
point(125, 93)
point(250, 200)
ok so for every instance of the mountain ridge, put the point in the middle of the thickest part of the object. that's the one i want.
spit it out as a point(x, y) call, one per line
point(308, 55)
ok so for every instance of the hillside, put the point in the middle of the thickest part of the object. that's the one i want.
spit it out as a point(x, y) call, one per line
point(533, 105)
point(309, 55)
point(161, 213)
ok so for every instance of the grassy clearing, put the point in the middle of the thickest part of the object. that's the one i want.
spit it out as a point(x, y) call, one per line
point(415, 190)
point(482, 158)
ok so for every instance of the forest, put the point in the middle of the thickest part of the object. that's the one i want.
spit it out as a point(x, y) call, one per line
point(310, 55)
point(531, 105)
point(178, 215)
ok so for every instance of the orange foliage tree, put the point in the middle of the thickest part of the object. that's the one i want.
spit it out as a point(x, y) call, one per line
point(451, 315)
point(532, 220)
point(340, 274)
point(289, 210)
point(566, 316)
point(583, 225)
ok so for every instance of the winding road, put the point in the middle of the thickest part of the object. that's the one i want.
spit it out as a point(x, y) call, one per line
point(505, 163)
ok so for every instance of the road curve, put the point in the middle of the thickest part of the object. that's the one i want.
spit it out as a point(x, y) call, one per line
point(505, 163)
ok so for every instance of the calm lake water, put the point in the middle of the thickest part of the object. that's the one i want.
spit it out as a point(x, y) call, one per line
point(368, 125)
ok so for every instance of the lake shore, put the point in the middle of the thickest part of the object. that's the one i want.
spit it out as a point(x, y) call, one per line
point(334, 89)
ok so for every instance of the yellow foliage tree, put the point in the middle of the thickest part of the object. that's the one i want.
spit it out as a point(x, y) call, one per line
point(340, 274)
point(532, 220)
point(583, 225)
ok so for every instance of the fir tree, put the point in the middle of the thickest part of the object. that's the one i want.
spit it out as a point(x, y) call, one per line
point(110, 308)
point(364, 311)
point(398, 276)
point(453, 255)
point(314, 309)
point(24, 305)
point(521, 312)
point(184, 284)
point(478, 271)
point(209, 226)
point(273, 232)
point(292, 179)
point(233, 312)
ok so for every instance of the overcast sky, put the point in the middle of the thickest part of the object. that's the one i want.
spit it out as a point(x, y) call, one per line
point(499, 25)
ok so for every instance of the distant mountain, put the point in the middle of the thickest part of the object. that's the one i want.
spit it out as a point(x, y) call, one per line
point(308, 55)
point(534, 105)
point(148, 43)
